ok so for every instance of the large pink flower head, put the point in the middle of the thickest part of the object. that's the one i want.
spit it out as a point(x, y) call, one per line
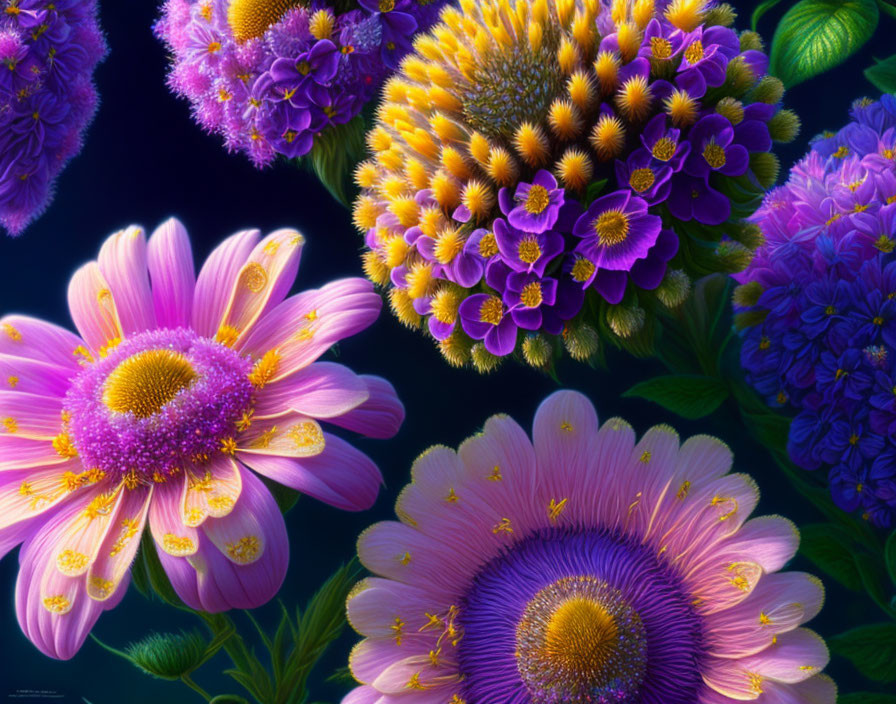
point(154, 414)
point(583, 567)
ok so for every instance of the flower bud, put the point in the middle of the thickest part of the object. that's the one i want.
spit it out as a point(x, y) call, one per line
point(769, 90)
point(537, 351)
point(674, 288)
point(456, 348)
point(732, 256)
point(625, 321)
point(766, 168)
point(581, 341)
point(483, 360)
point(784, 126)
point(747, 295)
point(168, 655)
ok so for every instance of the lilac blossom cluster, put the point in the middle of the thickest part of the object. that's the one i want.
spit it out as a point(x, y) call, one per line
point(48, 51)
point(819, 306)
point(271, 75)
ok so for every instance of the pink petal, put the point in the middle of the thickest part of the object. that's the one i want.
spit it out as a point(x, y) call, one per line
point(93, 308)
point(166, 520)
point(21, 336)
point(819, 689)
point(33, 377)
point(20, 453)
point(169, 258)
point(796, 656)
point(306, 325)
point(320, 390)
point(264, 280)
point(361, 695)
point(215, 583)
point(214, 285)
point(380, 416)
point(240, 534)
point(80, 536)
point(290, 435)
point(340, 475)
point(376, 605)
point(651, 470)
point(212, 490)
point(122, 261)
point(30, 416)
point(27, 493)
point(117, 551)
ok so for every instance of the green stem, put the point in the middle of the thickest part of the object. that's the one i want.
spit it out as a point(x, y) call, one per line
point(187, 680)
point(234, 646)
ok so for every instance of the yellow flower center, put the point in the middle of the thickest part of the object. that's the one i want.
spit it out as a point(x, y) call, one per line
point(386, 5)
point(537, 200)
point(144, 383)
point(694, 52)
point(488, 245)
point(582, 269)
point(714, 155)
point(303, 67)
point(664, 149)
point(611, 227)
point(531, 295)
point(841, 153)
point(660, 48)
point(491, 311)
point(641, 179)
point(580, 636)
point(885, 244)
point(249, 19)
point(528, 250)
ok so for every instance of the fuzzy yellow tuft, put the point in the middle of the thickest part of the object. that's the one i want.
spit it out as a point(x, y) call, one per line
point(366, 174)
point(629, 38)
point(404, 208)
point(449, 243)
point(502, 167)
point(420, 280)
point(634, 98)
point(731, 109)
point(445, 303)
point(564, 120)
point(321, 24)
point(479, 148)
point(686, 15)
point(396, 250)
point(478, 199)
point(608, 137)
point(365, 212)
point(445, 189)
point(567, 56)
point(431, 221)
point(416, 173)
point(575, 169)
point(681, 107)
point(250, 19)
point(403, 307)
point(455, 163)
point(581, 90)
point(531, 144)
point(642, 12)
point(606, 68)
point(375, 268)
point(456, 348)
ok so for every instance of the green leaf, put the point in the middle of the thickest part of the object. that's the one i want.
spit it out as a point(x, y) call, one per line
point(883, 75)
point(887, 8)
point(689, 395)
point(336, 152)
point(831, 551)
point(760, 10)
point(285, 497)
point(866, 698)
point(595, 188)
point(817, 35)
point(155, 573)
point(871, 648)
point(890, 556)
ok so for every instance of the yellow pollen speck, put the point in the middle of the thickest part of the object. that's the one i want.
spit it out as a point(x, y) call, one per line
point(62, 443)
point(694, 52)
point(841, 153)
point(12, 333)
point(405, 558)
point(253, 277)
point(228, 446)
point(143, 383)
point(12, 381)
point(57, 604)
point(264, 369)
point(645, 456)
point(495, 476)
point(452, 497)
point(10, 424)
point(505, 526)
point(555, 508)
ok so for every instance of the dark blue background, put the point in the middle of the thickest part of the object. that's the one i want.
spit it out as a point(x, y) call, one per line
point(144, 160)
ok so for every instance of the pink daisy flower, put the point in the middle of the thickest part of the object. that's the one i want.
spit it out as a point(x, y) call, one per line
point(583, 567)
point(152, 417)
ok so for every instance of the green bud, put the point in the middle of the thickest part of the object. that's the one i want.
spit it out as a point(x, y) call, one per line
point(732, 256)
point(169, 655)
point(748, 234)
point(751, 41)
point(674, 288)
point(537, 351)
point(769, 90)
point(581, 341)
point(784, 126)
point(766, 167)
point(732, 109)
point(625, 321)
point(739, 77)
point(483, 360)
point(722, 15)
point(749, 318)
point(747, 295)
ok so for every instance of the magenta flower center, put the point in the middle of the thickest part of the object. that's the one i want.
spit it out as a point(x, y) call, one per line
point(157, 403)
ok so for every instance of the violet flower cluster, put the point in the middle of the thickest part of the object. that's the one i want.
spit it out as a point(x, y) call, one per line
point(819, 306)
point(269, 76)
point(543, 190)
point(48, 51)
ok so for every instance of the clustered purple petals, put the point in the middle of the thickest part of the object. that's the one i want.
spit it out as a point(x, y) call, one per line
point(272, 94)
point(48, 51)
point(823, 290)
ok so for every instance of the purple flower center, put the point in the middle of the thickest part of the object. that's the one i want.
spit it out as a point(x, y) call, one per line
point(575, 616)
point(156, 403)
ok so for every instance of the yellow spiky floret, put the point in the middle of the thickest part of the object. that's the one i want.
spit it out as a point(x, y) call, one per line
point(686, 15)
point(365, 212)
point(403, 307)
point(682, 108)
point(634, 98)
point(478, 199)
point(375, 268)
point(574, 169)
point(581, 90)
point(531, 144)
point(606, 68)
point(608, 137)
point(564, 120)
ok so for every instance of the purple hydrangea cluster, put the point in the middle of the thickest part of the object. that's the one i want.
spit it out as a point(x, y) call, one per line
point(48, 51)
point(536, 203)
point(819, 305)
point(270, 75)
